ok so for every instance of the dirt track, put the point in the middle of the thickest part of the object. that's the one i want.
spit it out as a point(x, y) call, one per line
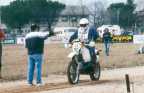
point(112, 81)
point(56, 61)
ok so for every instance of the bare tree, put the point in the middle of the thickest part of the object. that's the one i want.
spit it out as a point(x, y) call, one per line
point(97, 13)
point(82, 7)
point(73, 15)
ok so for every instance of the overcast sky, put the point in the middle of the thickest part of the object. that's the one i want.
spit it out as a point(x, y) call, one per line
point(74, 2)
point(5, 2)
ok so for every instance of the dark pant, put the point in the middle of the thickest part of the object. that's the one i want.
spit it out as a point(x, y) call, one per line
point(34, 61)
point(107, 47)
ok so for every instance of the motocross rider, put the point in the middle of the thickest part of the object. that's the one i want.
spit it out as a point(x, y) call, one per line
point(87, 35)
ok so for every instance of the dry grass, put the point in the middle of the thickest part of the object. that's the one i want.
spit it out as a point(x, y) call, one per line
point(56, 61)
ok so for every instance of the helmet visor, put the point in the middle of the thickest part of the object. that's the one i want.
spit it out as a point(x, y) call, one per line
point(83, 25)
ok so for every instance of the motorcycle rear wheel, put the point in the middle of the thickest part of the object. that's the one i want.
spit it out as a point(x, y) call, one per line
point(95, 75)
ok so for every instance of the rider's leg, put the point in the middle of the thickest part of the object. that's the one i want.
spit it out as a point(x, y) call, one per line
point(92, 53)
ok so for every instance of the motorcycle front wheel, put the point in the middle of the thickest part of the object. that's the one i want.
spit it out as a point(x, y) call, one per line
point(73, 76)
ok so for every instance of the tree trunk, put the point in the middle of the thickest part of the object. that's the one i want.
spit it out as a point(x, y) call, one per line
point(0, 60)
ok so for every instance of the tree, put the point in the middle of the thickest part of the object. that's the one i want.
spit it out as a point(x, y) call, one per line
point(21, 12)
point(130, 2)
point(54, 9)
point(122, 14)
point(15, 15)
point(97, 13)
point(115, 10)
point(45, 11)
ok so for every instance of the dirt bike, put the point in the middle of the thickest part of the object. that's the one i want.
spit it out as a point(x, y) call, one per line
point(77, 65)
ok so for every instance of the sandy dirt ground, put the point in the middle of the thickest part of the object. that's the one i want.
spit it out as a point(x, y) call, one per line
point(111, 81)
point(122, 55)
point(14, 65)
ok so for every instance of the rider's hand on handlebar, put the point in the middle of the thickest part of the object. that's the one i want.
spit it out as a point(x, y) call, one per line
point(70, 45)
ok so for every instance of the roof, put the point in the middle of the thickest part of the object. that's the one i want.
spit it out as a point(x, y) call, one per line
point(109, 26)
point(59, 29)
point(75, 10)
point(140, 13)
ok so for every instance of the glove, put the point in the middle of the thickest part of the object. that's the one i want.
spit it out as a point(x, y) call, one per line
point(92, 44)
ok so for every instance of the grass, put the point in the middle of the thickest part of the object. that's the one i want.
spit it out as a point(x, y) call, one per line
point(55, 59)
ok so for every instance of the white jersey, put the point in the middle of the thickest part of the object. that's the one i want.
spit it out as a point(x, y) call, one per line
point(83, 34)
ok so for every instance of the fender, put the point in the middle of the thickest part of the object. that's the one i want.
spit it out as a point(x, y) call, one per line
point(72, 54)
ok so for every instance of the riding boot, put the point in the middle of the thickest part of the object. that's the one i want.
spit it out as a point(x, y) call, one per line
point(94, 59)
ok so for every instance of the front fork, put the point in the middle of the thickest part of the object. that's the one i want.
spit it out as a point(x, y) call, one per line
point(78, 66)
point(97, 58)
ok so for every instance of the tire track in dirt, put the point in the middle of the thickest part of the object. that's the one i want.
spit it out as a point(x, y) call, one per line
point(55, 86)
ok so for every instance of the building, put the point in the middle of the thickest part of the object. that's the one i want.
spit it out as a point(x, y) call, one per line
point(139, 25)
point(71, 15)
point(140, 17)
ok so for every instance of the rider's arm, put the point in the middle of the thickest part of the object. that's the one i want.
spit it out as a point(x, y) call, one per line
point(74, 36)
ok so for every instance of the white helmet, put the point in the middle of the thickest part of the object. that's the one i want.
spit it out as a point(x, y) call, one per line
point(84, 21)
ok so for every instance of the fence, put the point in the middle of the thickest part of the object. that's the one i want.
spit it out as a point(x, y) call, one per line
point(136, 39)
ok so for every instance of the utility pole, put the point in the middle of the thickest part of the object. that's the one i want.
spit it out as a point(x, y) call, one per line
point(127, 83)
point(118, 14)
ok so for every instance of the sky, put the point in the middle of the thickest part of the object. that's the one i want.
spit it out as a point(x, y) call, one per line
point(74, 2)
point(5, 2)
